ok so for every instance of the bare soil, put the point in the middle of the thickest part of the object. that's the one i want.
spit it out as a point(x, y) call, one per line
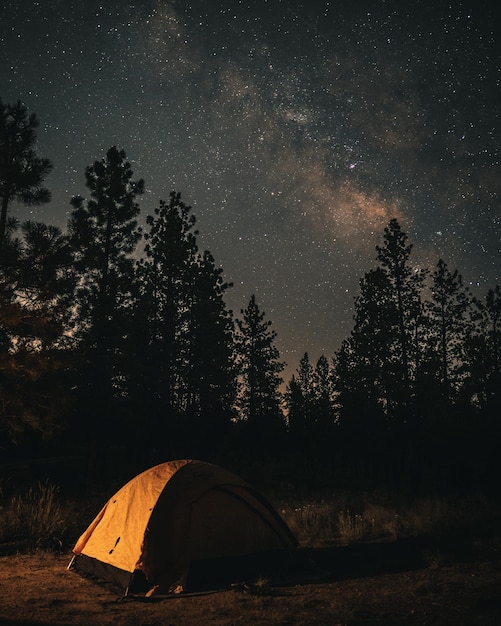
point(402, 582)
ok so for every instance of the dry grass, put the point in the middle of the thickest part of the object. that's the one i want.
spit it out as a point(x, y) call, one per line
point(35, 519)
point(344, 520)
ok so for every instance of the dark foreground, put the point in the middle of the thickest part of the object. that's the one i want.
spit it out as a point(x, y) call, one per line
point(409, 582)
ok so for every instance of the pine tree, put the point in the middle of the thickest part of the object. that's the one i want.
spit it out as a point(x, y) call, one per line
point(295, 405)
point(483, 387)
point(299, 396)
point(375, 368)
point(406, 284)
point(171, 250)
point(259, 369)
point(448, 315)
point(493, 315)
point(103, 233)
point(209, 360)
point(185, 342)
point(310, 409)
point(483, 355)
point(365, 369)
point(324, 398)
point(22, 173)
point(46, 269)
point(34, 280)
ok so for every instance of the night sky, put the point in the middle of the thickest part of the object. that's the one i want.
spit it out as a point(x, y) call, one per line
point(296, 130)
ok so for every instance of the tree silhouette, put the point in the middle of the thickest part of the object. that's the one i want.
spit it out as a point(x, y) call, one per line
point(34, 281)
point(310, 410)
point(21, 171)
point(185, 338)
point(493, 318)
point(324, 399)
point(46, 269)
point(483, 349)
point(376, 366)
point(103, 233)
point(449, 325)
point(406, 283)
point(161, 310)
point(366, 373)
point(300, 400)
point(210, 374)
point(484, 384)
point(259, 370)
point(296, 421)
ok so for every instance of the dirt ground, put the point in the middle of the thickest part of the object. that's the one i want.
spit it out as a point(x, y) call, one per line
point(397, 583)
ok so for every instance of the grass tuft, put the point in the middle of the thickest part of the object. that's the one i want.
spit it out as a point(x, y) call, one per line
point(352, 528)
point(34, 519)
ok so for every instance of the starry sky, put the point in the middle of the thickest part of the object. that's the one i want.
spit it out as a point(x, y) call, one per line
point(295, 130)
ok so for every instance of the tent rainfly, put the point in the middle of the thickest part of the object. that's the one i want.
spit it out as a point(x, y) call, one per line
point(171, 515)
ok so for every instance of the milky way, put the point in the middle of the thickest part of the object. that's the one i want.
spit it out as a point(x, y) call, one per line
point(295, 130)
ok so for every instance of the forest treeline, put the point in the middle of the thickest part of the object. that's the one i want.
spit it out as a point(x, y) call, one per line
point(116, 344)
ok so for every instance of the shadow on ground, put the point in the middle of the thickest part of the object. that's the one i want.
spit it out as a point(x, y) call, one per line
point(308, 565)
point(328, 564)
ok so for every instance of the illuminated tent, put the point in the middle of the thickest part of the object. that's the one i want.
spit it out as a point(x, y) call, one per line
point(171, 517)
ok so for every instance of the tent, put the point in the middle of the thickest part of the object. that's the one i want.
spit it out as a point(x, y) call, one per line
point(173, 515)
